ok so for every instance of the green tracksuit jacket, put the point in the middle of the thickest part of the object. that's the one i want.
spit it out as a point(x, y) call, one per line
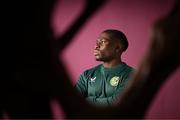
point(100, 86)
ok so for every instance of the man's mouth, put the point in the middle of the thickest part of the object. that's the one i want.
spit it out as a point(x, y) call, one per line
point(96, 52)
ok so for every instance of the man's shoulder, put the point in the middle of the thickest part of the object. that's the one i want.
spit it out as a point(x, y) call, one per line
point(92, 70)
point(128, 71)
point(129, 68)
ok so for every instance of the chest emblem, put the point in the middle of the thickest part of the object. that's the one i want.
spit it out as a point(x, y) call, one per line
point(114, 81)
point(93, 79)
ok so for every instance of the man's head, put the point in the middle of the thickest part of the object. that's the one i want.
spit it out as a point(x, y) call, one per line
point(110, 45)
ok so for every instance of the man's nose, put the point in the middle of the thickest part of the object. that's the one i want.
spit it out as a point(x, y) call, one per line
point(97, 46)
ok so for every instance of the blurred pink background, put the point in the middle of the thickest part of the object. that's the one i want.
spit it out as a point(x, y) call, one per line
point(135, 19)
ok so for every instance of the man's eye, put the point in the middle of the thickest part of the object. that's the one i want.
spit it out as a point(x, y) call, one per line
point(100, 42)
point(103, 42)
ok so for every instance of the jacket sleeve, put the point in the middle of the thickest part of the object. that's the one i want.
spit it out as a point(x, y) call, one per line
point(81, 85)
point(114, 99)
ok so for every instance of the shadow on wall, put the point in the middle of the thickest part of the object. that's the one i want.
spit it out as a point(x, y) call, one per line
point(35, 75)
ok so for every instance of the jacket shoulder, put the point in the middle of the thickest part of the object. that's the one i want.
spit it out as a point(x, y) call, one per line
point(92, 70)
point(129, 68)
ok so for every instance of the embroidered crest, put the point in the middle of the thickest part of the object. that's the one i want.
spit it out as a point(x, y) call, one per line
point(114, 81)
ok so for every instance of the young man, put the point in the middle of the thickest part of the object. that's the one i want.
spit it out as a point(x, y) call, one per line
point(102, 84)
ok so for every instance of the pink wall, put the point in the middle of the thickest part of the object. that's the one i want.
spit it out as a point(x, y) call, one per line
point(134, 18)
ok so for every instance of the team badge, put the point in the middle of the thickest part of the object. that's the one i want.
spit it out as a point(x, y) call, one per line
point(114, 81)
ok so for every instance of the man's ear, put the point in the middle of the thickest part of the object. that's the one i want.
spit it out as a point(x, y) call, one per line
point(118, 48)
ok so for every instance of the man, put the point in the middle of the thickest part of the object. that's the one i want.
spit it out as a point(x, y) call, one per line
point(102, 84)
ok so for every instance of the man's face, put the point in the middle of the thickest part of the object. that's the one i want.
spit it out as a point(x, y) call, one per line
point(105, 49)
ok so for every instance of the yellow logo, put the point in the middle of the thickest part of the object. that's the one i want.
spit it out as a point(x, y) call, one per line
point(114, 81)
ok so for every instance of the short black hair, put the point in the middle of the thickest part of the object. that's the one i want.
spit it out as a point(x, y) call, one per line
point(118, 35)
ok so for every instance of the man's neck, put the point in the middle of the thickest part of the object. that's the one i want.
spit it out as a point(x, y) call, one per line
point(112, 63)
